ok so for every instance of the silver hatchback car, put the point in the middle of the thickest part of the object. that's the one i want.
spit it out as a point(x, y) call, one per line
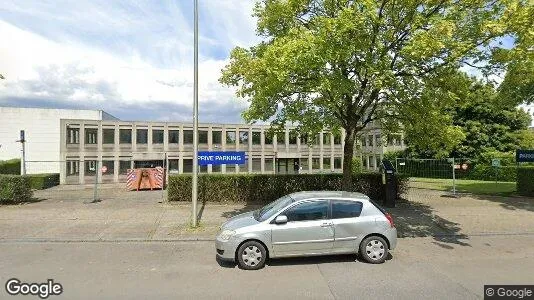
point(306, 224)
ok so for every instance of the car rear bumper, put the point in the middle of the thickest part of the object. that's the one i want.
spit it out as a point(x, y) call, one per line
point(391, 235)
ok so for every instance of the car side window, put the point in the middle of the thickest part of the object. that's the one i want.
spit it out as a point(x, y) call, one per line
point(346, 209)
point(308, 211)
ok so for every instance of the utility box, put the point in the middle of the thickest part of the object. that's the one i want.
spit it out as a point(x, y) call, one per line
point(389, 182)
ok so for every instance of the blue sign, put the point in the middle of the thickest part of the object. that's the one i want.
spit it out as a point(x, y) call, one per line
point(220, 158)
point(524, 156)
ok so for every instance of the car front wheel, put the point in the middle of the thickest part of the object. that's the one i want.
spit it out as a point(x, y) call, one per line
point(251, 255)
point(374, 249)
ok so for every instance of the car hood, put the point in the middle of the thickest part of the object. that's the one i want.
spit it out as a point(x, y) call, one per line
point(239, 221)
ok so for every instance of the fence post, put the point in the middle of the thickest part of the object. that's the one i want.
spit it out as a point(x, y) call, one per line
point(453, 177)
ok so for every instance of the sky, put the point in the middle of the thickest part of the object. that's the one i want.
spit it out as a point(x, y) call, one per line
point(133, 59)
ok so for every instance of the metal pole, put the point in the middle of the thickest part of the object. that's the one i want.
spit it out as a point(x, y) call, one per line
point(195, 120)
point(95, 191)
point(453, 177)
point(23, 157)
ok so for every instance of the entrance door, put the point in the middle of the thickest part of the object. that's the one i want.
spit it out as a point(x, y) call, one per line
point(287, 165)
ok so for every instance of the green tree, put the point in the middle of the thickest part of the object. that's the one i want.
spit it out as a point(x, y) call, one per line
point(344, 63)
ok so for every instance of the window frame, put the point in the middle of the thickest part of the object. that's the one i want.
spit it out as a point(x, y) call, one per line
point(284, 211)
point(332, 201)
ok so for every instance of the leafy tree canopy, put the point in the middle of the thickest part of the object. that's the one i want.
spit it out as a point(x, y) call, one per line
point(345, 63)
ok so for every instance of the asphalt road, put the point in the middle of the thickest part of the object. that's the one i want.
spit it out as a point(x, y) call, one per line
point(420, 268)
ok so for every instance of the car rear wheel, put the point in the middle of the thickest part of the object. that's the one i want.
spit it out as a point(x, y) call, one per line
point(374, 249)
point(251, 256)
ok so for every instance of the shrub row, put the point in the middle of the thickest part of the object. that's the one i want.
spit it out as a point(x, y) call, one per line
point(44, 181)
point(525, 181)
point(263, 188)
point(490, 173)
point(11, 166)
point(15, 189)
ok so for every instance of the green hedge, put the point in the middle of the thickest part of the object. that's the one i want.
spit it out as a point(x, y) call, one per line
point(11, 166)
point(490, 173)
point(15, 189)
point(44, 181)
point(261, 188)
point(525, 181)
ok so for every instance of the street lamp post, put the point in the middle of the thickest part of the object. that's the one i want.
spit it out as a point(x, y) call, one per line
point(195, 121)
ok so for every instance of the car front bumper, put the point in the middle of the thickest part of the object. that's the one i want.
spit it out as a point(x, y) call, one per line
point(226, 249)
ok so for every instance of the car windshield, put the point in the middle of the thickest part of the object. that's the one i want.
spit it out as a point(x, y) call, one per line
point(270, 209)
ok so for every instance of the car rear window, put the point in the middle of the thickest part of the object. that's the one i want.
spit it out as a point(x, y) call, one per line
point(346, 209)
point(378, 206)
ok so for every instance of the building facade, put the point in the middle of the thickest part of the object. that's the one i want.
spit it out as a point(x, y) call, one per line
point(87, 145)
point(42, 134)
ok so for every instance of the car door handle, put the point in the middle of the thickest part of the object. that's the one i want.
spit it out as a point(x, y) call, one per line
point(327, 224)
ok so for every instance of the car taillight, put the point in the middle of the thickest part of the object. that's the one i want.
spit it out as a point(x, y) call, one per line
point(390, 220)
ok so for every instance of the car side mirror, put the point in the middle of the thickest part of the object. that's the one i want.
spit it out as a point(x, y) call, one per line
point(281, 219)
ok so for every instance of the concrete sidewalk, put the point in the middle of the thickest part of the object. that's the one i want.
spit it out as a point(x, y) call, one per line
point(62, 215)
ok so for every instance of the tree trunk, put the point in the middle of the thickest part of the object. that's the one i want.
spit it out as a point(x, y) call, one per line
point(348, 152)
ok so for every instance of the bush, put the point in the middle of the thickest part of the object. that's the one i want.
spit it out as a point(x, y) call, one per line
point(264, 188)
point(11, 166)
point(490, 173)
point(525, 181)
point(15, 189)
point(357, 167)
point(43, 181)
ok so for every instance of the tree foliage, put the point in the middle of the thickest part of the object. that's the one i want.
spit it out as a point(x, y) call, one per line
point(344, 63)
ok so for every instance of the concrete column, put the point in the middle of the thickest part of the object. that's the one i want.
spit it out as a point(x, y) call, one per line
point(99, 142)
point(149, 138)
point(262, 142)
point(134, 137)
point(249, 150)
point(82, 153)
point(166, 139)
point(321, 152)
point(223, 146)
point(116, 166)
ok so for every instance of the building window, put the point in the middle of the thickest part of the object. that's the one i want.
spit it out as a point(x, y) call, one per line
point(157, 136)
point(337, 139)
point(364, 162)
point(202, 137)
point(216, 168)
point(73, 135)
point(174, 165)
point(110, 165)
point(378, 140)
point(244, 167)
point(317, 139)
point(243, 137)
point(326, 139)
point(371, 162)
point(256, 138)
point(378, 161)
point(174, 136)
point(142, 136)
point(125, 136)
point(268, 138)
point(256, 165)
point(370, 140)
point(363, 142)
point(293, 138)
point(337, 162)
point(230, 137)
point(90, 167)
point(188, 136)
point(326, 163)
point(108, 136)
point(124, 165)
point(188, 166)
point(91, 135)
point(230, 168)
point(304, 164)
point(73, 167)
point(268, 165)
point(316, 163)
point(216, 137)
point(203, 169)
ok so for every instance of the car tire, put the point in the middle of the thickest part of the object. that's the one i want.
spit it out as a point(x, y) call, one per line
point(251, 256)
point(374, 249)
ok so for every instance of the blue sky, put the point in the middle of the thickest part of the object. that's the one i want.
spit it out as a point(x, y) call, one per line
point(131, 58)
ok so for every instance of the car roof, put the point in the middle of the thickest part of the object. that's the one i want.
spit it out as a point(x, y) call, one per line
point(328, 194)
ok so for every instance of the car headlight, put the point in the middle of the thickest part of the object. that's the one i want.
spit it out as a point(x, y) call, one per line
point(226, 234)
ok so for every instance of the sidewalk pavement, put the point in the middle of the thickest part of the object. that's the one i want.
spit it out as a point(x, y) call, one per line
point(62, 215)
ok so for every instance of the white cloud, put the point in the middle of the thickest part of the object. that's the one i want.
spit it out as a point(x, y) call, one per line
point(98, 52)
